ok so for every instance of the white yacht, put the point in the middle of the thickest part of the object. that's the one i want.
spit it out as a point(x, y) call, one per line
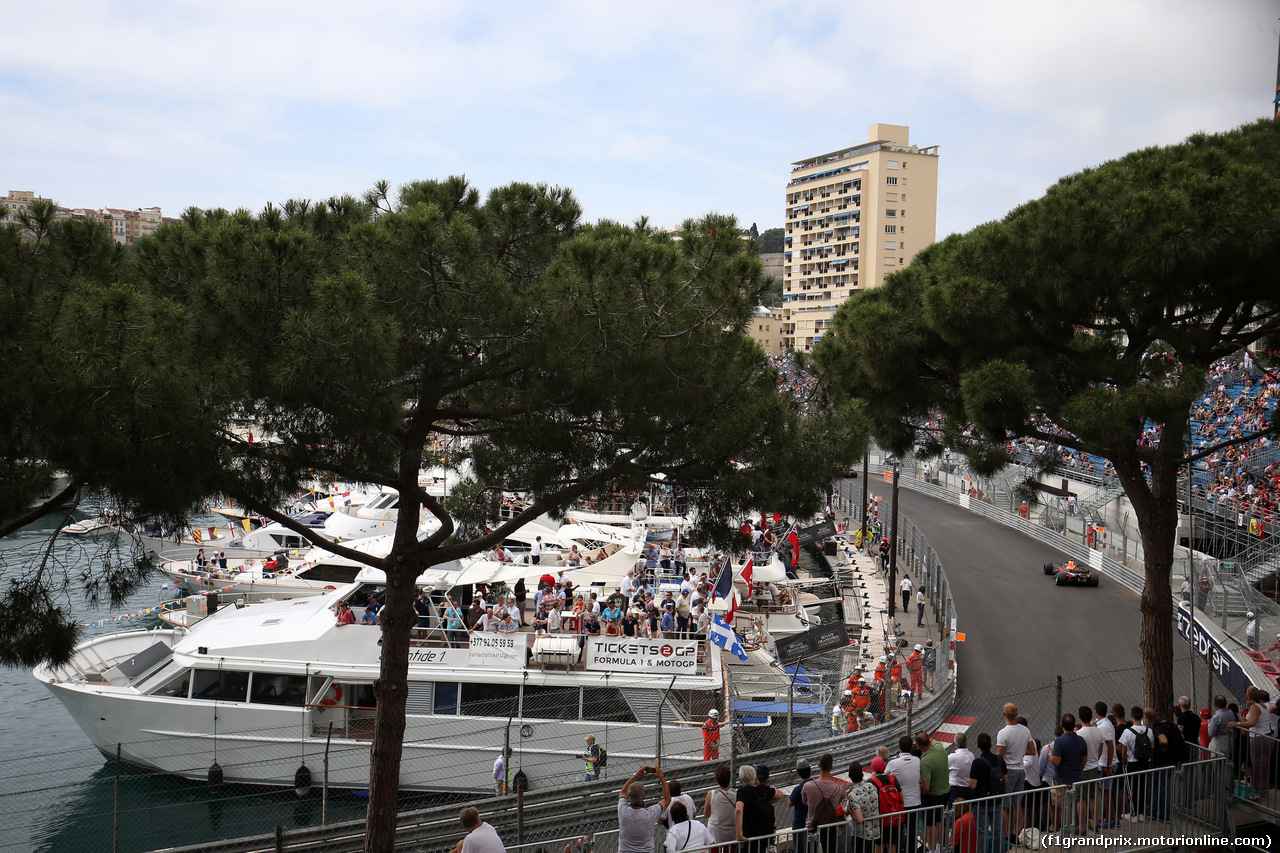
point(266, 690)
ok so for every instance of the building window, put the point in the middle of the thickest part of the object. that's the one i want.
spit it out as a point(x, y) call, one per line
point(889, 244)
point(891, 212)
point(891, 229)
point(892, 181)
point(888, 262)
point(904, 196)
point(891, 164)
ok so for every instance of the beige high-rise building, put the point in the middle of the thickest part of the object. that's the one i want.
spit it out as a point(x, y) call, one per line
point(852, 216)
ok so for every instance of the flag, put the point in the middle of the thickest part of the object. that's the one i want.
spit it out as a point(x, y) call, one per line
point(248, 525)
point(794, 539)
point(746, 577)
point(722, 635)
point(195, 534)
point(213, 533)
point(724, 590)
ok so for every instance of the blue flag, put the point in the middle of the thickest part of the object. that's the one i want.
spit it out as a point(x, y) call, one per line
point(722, 635)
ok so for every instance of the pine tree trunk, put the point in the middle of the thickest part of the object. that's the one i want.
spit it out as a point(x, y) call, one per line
point(391, 690)
point(1156, 510)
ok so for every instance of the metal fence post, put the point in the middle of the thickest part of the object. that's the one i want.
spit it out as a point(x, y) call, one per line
point(1057, 701)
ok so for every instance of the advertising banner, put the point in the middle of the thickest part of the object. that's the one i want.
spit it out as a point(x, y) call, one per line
point(627, 654)
point(498, 651)
point(1211, 651)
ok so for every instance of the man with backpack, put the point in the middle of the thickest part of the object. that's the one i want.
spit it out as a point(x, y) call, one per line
point(821, 796)
point(895, 829)
point(987, 775)
point(1136, 747)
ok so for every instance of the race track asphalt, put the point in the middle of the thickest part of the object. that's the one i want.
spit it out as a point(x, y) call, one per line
point(1020, 628)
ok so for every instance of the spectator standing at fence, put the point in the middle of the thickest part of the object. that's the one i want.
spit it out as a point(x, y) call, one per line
point(906, 587)
point(1219, 732)
point(1011, 745)
point(753, 811)
point(825, 788)
point(862, 808)
point(1251, 631)
point(1188, 721)
point(1136, 746)
point(905, 767)
point(1259, 721)
point(1095, 742)
point(935, 785)
point(481, 837)
point(958, 765)
point(799, 811)
point(636, 821)
point(920, 602)
point(988, 773)
point(685, 832)
point(1108, 763)
point(719, 807)
point(679, 797)
point(1070, 751)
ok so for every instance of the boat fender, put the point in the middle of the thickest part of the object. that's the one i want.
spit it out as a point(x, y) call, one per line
point(330, 586)
point(337, 696)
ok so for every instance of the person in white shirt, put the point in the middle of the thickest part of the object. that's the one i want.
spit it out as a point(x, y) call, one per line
point(535, 551)
point(959, 764)
point(1108, 761)
point(1011, 743)
point(678, 796)
point(906, 587)
point(480, 838)
point(907, 768)
point(685, 832)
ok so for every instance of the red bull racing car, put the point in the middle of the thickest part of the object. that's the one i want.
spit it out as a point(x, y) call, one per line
point(1071, 572)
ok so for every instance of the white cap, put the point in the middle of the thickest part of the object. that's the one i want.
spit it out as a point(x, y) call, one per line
point(862, 681)
point(848, 693)
point(1250, 614)
point(713, 713)
point(884, 659)
point(919, 647)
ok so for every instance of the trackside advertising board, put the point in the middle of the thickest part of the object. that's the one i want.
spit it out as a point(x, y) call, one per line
point(1211, 651)
point(628, 654)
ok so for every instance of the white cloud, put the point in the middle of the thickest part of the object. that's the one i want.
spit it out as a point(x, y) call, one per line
point(667, 109)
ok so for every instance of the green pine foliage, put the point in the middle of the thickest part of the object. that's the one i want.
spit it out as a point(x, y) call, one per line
point(1080, 319)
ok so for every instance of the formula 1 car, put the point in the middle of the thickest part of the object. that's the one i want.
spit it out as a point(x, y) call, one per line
point(1071, 572)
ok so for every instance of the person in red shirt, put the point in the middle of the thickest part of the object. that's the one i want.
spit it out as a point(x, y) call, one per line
point(964, 835)
point(345, 616)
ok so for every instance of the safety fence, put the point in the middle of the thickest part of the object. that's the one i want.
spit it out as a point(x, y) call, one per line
point(1153, 808)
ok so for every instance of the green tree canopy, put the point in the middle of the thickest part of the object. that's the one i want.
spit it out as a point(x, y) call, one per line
point(553, 358)
point(771, 240)
point(1082, 318)
point(97, 390)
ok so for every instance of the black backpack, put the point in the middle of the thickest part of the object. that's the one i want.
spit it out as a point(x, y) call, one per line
point(995, 779)
point(1142, 744)
point(824, 812)
point(603, 758)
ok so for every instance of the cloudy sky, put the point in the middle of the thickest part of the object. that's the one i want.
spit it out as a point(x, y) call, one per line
point(663, 109)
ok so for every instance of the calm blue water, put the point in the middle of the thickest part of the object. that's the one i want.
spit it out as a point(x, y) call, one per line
point(57, 792)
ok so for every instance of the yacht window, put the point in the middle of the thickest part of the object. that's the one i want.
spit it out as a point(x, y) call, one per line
point(177, 687)
point(606, 703)
point(271, 688)
point(550, 703)
point(446, 697)
point(490, 700)
point(331, 573)
point(224, 686)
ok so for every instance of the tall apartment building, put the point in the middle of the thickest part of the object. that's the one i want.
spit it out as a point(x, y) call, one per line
point(852, 216)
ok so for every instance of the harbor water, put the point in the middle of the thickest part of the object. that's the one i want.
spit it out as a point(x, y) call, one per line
point(58, 793)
